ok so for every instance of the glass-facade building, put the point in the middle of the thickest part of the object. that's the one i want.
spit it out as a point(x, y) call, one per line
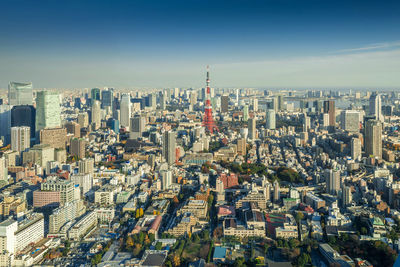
point(48, 111)
point(20, 94)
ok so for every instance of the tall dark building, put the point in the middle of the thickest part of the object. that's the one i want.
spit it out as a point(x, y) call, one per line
point(107, 97)
point(329, 107)
point(24, 115)
point(95, 94)
point(224, 103)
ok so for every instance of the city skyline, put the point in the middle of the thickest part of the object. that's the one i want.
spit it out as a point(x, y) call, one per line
point(265, 44)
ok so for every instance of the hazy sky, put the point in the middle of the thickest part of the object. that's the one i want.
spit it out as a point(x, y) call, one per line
point(130, 44)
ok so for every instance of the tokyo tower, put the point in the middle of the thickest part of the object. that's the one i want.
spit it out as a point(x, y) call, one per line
point(208, 121)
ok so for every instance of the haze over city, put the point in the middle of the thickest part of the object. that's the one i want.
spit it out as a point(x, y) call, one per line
point(266, 44)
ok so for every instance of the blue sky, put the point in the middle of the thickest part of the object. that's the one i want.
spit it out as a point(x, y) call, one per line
point(269, 44)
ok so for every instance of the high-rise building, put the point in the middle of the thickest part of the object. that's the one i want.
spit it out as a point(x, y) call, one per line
point(83, 120)
point(329, 107)
point(107, 98)
point(347, 197)
point(241, 146)
point(3, 169)
point(306, 122)
point(73, 128)
point(20, 138)
point(252, 128)
point(332, 178)
point(96, 115)
point(245, 112)
point(20, 94)
point(270, 119)
point(55, 137)
point(373, 139)
point(277, 191)
point(125, 111)
point(255, 105)
point(137, 127)
point(375, 106)
point(5, 122)
point(355, 148)
point(86, 165)
point(77, 147)
point(163, 100)
point(169, 147)
point(24, 116)
point(48, 112)
point(350, 120)
point(280, 102)
point(166, 179)
point(65, 187)
point(85, 181)
point(95, 95)
point(224, 104)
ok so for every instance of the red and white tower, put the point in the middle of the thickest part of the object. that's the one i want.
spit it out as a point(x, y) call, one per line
point(208, 121)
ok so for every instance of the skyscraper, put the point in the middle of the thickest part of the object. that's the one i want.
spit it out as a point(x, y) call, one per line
point(169, 147)
point(373, 139)
point(329, 107)
point(332, 178)
point(77, 147)
point(5, 123)
point(48, 113)
point(95, 94)
point(270, 119)
point(166, 178)
point(125, 110)
point(252, 128)
point(245, 112)
point(138, 124)
point(20, 94)
point(20, 138)
point(347, 197)
point(224, 103)
point(350, 120)
point(277, 191)
point(24, 116)
point(96, 114)
point(255, 104)
point(375, 106)
point(3, 169)
point(107, 98)
point(355, 148)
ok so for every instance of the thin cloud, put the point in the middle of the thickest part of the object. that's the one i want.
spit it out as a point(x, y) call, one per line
point(377, 46)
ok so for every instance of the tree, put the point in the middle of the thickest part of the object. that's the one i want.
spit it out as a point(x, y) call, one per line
point(177, 260)
point(299, 216)
point(158, 246)
point(129, 241)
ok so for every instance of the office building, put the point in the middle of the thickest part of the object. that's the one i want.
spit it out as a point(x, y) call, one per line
point(65, 187)
point(241, 146)
point(107, 98)
point(347, 197)
point(329, 108)
point(166, 179)
point(48, 112)
point(5, 122)
point(255, 105)
point(252, 129)
point(373, 139)
point(24, 116)
point(83, 120)
point(245, 112)
point(7, 241)
point(96, 115)
point(73, 128)
point(350, 120)
point(332, 178)
point(375, 107)
point(55, 137)
point(125, 111)
point(270, 119)
point(3, 169)
point(20, 138)
point(77, 147)
point(224, 104)
point(85, 181)
point(95, 95)
point(39, 155)
point(169, 147)
point(355, 148)
point(277, 191)
point(137, 127)
point(86, 165)
point(20, 94)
